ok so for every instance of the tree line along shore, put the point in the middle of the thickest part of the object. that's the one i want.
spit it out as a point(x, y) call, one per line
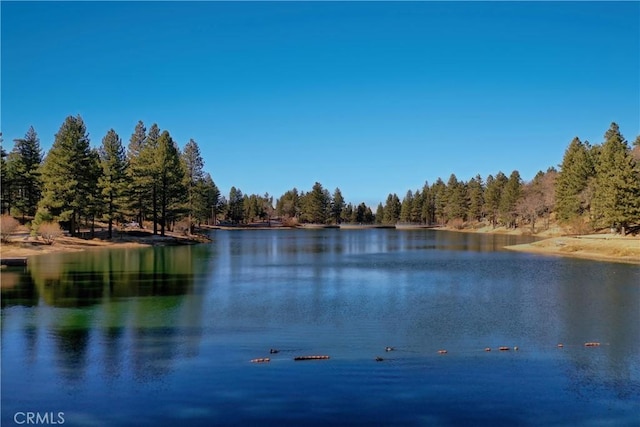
point(153, 183)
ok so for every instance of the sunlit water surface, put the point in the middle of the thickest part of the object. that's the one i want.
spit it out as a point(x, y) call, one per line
point(164, 336)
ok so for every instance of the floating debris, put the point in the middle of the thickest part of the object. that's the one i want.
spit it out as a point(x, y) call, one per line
point(442, 351)
point(592, 344)
point(389, 348)
point(515, 348)
point(560, 345)
point(487, 349)
point(503, 348)
point(261, 360)
point(310, 357)
point(379, 359)
point(274, 351)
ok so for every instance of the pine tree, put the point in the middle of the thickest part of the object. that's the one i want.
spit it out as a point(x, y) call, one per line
point(509, 198)
point(170, 170)
point(576, 173)
point(25, 161)
point(137, 186)
point(392, 209)
point(439, 197)
point(316, 205)
point(337, 206)
point(113, 181)
point(405, 207)
point(456, 197)
point(193, 166)
point(151, 171)
point(289, 205)
point(416, 208)
point(235, 211)
point(427, 215)
point(6, 181)
point(616, 201)
point(475, 196)
point(379, 214)
point(493, 196)
point(66, 185)
point(208, 199)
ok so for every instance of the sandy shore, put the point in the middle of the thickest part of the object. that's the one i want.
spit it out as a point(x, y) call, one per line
point(599, 247)
point(604, 247)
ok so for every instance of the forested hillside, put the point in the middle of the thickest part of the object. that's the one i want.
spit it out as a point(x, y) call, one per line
point(152, 181)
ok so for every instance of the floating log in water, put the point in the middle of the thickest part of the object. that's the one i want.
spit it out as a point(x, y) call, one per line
point(503, 348)
point(13, 262)
point(591, 344)
point(310, 357)
point(261, 360)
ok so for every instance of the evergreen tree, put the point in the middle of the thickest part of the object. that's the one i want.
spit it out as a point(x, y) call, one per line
point(405, 207)
point(316, 205)
point(288, 205)
point(193, 166)
point(235, 211)
point(392, 209)
point(439, 195)
point(113, 180)
point(66, 183)
point(137, 181)
point(151, 164)
point(24, 165)
point(576, 173)
point(208, 199)
point(616, 202)
point(94, 201)
point(6, 181)
point(456, 199)
point(427, 215)
point(416, 207)
point(475, 196)
point(509, 198)
point(337, 206)
point(170, 170)
point(379, 214)
point(349, 214)
point(493, 196)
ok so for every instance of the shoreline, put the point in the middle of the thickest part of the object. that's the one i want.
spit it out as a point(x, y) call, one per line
point(28, 247)
point(595, 247)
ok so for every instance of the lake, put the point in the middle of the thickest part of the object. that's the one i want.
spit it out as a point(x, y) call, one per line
point(165, 336)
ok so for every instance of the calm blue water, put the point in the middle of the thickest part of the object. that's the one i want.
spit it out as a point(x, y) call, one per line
point(164, 336)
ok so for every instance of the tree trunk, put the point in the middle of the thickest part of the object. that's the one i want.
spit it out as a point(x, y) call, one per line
point(110, 219)
point(155, 211)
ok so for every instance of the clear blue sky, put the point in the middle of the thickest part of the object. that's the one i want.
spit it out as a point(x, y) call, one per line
point(371, 97)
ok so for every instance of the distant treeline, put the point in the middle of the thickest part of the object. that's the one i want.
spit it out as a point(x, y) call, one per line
point(152, 180)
